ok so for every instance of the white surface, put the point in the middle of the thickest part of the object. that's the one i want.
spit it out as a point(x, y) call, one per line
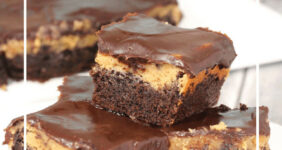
point(275, 136)
point(19, 100)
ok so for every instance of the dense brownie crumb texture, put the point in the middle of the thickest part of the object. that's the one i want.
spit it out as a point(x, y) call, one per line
point(61, 34)
point(11, 41)
point(75, 123)
point(157, 73)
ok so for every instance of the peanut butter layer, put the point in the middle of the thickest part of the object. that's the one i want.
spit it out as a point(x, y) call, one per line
point(160, 76)
point(74, 123)
point(66, 42)
point(229, 124)
point(215, 142)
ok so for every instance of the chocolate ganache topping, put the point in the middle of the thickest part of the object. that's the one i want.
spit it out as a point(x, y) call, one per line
point(80, 125)
point(76, 88)
point(139, 36)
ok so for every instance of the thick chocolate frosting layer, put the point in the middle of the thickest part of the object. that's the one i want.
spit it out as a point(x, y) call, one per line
point(138, 36)
point(78, 124)
point(42, 12)
point(11, 20)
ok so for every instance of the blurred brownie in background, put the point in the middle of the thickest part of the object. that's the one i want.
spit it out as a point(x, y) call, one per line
point(11, 37)
point(61, 34)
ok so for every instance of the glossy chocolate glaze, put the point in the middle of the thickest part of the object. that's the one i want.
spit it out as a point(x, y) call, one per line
point(42, 12)
point(76, 88)
point(76, 123)
point(90, 127)
point(138, 36)
point(11, 20)
point(235, 118)
point(80, 125)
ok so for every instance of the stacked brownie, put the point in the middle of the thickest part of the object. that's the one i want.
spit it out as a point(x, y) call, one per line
point(155, 87)
point(75, 123)
point(61, 37)
point(157, 73)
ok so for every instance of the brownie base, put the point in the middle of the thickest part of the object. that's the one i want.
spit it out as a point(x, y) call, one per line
point(15, 67)
point(129, 95)
point(206, 95)
point(47, 64)
point(3, 73)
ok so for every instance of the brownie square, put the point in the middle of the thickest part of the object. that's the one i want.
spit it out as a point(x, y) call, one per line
point(157, 73)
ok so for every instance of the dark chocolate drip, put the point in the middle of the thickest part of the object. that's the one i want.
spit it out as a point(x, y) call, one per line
point(144, 37)
point(77, 88)
point(11, 20)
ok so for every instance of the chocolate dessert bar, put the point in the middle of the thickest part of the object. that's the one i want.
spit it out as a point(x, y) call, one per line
point(74, 123)
point(61, 34)
point(158, 73)
point(11, 37)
